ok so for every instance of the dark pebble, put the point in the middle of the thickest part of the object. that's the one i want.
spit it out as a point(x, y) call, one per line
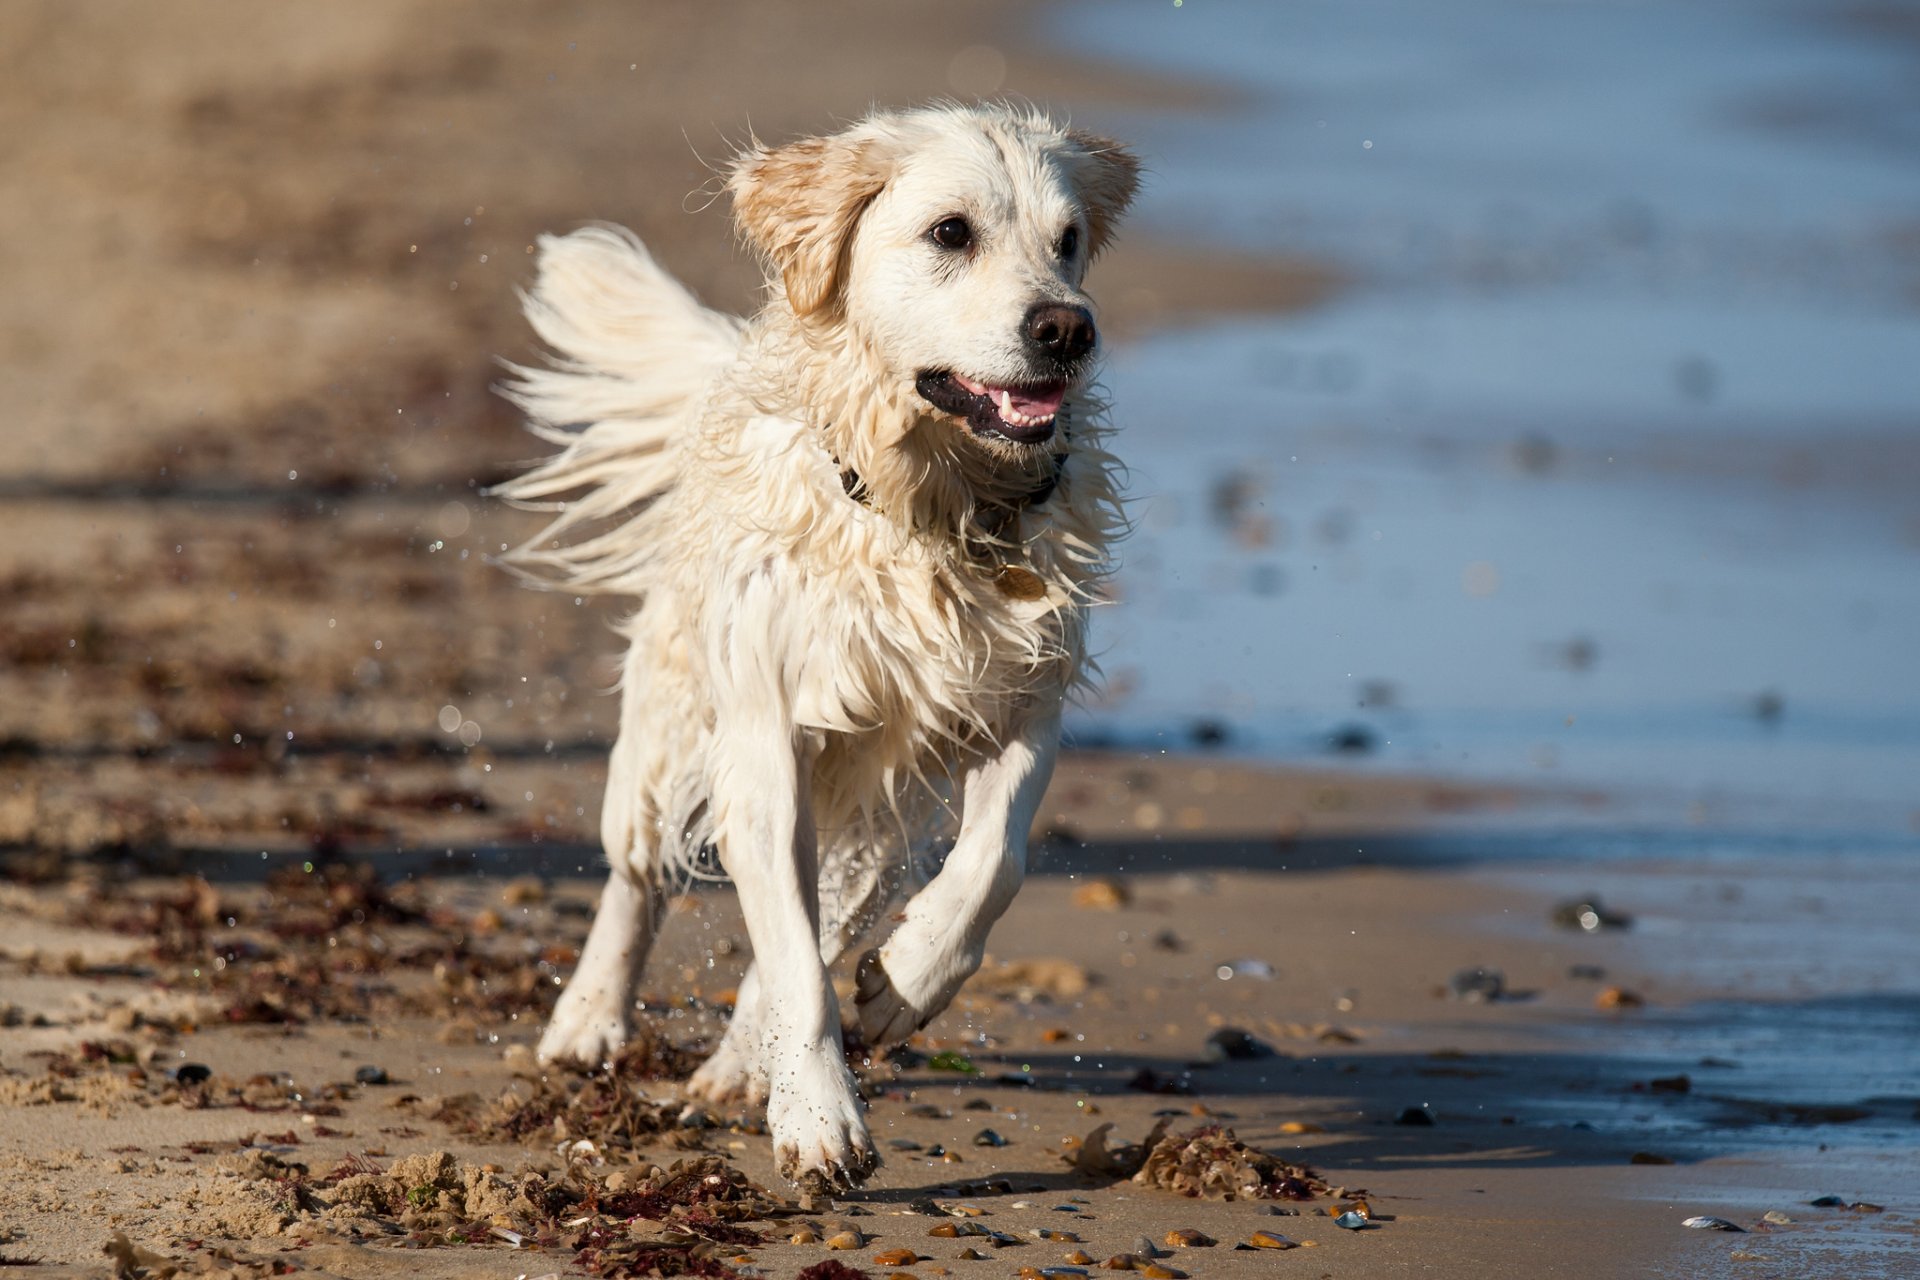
point(1477, 986)
point(1352, 740)
point(1589, 915)
point(988, 1138)
point(193, 1073)
point(1209, 733)
point(1234, 1043)
point(371, 1075)
point(1419, 1117)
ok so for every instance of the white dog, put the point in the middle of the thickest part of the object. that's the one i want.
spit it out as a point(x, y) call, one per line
point(863, 529)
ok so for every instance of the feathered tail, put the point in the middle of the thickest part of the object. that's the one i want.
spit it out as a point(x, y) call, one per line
point(633, 352)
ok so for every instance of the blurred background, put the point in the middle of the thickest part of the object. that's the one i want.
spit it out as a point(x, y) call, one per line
point(1522, 402)
point(1516, 391)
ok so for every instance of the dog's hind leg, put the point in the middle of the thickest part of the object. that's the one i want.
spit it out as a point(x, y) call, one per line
point(906, 983)
point(852, 888)
point(594, 1017)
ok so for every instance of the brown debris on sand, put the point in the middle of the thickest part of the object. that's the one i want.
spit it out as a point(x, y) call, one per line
point(320, 941)
point(676, 1218)
point(598, 1106)
point(1211, 1163)
point(131, 1262)
point(1093, 1157)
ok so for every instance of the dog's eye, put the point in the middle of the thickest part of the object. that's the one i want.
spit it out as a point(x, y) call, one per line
point(952, 233)
point(1069, 242)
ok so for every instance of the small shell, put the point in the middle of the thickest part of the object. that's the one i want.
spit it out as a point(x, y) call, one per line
point(896, 1258)
point(1124, 1262)
point(1268, 1240)
point(944, 1230)
point(1154, 1271)
point(1711, 1224)
point(970, 1254)
point(845, 1240)
point(1060, 1237)
point(1301, 1126)
point(1102, 894)
point(1352, 1221)
point(1188, 1238)
point(804, 1235)
point(966, 1210)
point(1080, 1258)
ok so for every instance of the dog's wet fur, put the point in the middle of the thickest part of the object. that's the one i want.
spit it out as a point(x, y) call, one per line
point(818, 678)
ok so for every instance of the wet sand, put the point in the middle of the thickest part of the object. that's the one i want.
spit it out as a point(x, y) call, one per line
point(1555, 1146)
point(257, 260)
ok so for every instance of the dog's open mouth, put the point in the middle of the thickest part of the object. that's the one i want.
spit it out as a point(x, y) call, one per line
point(1023, 413)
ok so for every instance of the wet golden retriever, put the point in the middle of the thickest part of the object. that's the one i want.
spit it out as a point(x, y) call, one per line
point(862, 530)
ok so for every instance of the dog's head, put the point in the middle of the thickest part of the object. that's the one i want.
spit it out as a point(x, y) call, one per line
point(953, 242)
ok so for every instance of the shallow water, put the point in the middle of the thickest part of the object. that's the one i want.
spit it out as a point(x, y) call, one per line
point(1604, 470)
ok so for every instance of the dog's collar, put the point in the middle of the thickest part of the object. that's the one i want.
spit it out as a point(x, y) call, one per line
point(856, 488)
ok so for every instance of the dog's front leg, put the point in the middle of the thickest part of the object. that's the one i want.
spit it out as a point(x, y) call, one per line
point(904, 984)
point(767, 840)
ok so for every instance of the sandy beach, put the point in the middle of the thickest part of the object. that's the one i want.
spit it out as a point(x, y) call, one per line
point(298, 792)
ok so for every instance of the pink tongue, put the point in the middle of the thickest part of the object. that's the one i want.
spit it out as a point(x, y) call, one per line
point(1039, 404)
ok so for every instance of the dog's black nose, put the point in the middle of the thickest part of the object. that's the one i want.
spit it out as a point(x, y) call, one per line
point(1060, 332)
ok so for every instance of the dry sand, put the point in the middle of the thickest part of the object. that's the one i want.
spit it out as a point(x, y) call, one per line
point(256, 259)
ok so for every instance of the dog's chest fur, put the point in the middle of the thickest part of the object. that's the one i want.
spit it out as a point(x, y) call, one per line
point(919, 642)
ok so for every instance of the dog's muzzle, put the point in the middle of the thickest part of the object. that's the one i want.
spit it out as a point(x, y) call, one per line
point(1023, 413)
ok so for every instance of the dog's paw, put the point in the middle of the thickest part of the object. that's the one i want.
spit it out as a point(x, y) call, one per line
point(586, 1031)
point(886, 1017)
point(730, 1076)
point(820, 1137)
point(895, 994)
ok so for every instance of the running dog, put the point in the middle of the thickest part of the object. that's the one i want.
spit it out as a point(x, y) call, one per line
point(863, 530)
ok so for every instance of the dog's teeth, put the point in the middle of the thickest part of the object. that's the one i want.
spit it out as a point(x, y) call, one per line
point(1006, 403)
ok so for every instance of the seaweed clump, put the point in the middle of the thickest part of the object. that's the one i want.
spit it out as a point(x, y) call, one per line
point(597, 1106)
point(1210, 1163)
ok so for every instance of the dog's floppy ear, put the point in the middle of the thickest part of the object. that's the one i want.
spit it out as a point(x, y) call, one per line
point(798, 204)
point(1107, 176)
